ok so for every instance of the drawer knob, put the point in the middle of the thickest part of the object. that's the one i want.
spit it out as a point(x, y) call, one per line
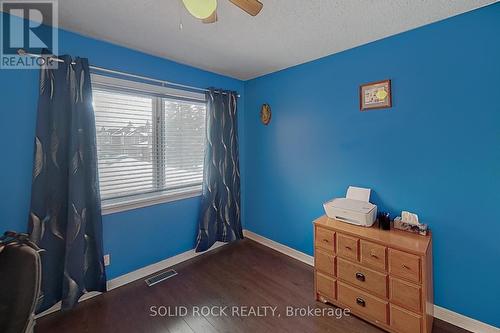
point(372, 253)
point(326, 240)
point(349, 248)
point(405, 267)
point(360, 302)
point(360, 277)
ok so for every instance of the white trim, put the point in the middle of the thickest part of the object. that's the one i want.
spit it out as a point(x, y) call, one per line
point(301, 256)
point(114, 82)
point(449, 316)
point(462, 321)
point(156, 267)
point(141, 273)
point(139, 201)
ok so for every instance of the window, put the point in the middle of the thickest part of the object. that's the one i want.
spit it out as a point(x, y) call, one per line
point(150, 142)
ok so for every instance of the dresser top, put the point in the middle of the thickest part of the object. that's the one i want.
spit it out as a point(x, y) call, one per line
point(396, 239)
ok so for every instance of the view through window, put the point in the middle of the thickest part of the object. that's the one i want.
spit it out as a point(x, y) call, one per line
point(147, 144)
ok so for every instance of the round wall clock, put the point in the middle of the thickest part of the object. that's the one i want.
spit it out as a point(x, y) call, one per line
point(265, 114)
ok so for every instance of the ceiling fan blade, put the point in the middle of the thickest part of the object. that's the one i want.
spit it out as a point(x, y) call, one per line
point(252, 7)
point(211, 19)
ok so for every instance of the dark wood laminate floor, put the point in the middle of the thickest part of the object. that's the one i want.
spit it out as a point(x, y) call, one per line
point(244, 273)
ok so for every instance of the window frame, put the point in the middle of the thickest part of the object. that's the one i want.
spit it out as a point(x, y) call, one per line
point(160, 92)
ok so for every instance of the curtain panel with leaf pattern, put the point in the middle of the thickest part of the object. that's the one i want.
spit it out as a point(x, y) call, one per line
point(220, 218)
point(65, 212)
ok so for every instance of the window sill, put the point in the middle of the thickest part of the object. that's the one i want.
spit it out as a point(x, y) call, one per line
point(145, 200)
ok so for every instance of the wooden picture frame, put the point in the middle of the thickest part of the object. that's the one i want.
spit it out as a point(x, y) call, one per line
point(375, 95)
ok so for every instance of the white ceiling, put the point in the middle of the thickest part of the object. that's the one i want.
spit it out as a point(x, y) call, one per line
point(285, 33)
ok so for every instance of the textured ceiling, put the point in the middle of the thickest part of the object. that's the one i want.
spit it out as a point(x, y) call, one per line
point(286, 33)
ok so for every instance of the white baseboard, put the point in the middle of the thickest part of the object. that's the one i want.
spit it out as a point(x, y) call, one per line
point(439, 312)
point(301, 256)
point(138, 274)
point(153, 268)
point(464, 322)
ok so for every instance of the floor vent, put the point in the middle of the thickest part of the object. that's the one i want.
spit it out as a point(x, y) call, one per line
point(160, 277)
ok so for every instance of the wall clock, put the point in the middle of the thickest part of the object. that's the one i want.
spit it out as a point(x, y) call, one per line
point(265, 114)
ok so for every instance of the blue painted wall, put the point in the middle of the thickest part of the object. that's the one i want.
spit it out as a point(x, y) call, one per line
point(436, 152)
point(135, 238)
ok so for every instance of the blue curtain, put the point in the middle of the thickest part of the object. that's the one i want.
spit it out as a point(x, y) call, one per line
point(220, 208)
point(65, 213)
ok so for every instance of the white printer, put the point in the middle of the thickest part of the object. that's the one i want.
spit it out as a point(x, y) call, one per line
point(355, 208)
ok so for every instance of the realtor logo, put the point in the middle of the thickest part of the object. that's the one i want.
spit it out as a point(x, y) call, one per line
point(29, 26)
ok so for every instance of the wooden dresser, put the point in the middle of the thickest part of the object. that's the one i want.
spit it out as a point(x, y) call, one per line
point(384, 277)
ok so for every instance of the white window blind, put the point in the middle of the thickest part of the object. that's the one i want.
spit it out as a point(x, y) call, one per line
point(150, 139)
point(184, 143)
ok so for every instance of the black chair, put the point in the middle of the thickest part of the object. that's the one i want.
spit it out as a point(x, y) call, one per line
point(20, 281)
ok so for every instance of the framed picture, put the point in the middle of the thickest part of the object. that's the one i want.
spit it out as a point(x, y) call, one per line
point(375, 95)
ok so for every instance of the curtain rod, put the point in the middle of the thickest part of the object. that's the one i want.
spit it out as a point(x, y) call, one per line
point(22, 53)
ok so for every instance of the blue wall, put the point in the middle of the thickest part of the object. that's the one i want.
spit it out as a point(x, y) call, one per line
point(134, 238)
point(436, 152)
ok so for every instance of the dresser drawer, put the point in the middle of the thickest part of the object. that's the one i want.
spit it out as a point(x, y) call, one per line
point(404, 265)
point(325, 285)
point(362, 277)
point(324, 262)
point(372, 255)
point(347, 246)
point(405, 321)
point(361, 302)
point(325, 239)
point(405, 294)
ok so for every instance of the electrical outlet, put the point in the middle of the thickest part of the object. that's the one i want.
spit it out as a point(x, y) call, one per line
point(107, 259)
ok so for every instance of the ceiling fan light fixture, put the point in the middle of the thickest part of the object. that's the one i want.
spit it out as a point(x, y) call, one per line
point(201, 9)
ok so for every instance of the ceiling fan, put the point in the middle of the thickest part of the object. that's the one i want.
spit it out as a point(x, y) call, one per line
point(206, 10)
